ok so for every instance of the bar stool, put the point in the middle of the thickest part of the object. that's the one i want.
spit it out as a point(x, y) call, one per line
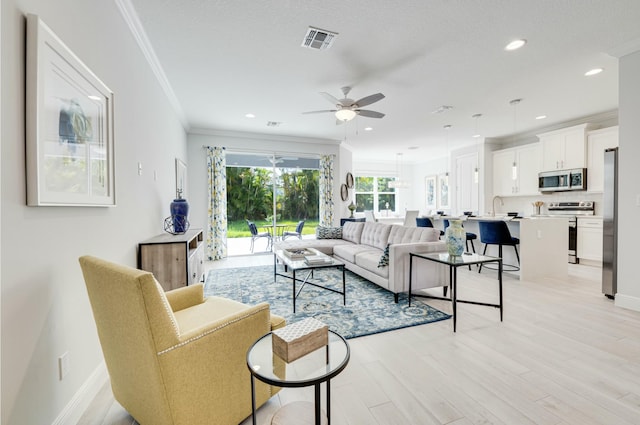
point(470, 237)
point(496, 232)
point(425, 222)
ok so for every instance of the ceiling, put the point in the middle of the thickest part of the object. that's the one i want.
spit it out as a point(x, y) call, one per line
point(227, 58)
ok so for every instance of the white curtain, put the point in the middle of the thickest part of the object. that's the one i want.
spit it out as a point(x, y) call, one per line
point(217, 216)
point(326, 190)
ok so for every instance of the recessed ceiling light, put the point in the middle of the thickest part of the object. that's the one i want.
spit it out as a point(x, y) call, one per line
point(250, 116)
point(412, 148)
point(368, 128)
point(541, 117)
point(593, 71)
point(475, 136)
point(515, 45)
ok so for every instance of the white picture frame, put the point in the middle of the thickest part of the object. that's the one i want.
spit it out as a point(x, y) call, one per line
point(430, 185)
point(181, 179)
point(443, 192)
point(69, 119)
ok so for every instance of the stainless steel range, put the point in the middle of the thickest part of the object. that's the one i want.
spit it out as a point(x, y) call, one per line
point(572, 210)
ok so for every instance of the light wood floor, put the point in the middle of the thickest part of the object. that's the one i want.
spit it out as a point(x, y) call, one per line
point(563, 355)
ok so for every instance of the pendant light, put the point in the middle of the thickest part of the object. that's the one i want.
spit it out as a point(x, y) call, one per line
point(514, 168)
point(399, 182)
point(447, 127)
point(476, 135)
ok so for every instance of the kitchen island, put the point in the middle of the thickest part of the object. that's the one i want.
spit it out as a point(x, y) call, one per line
point(543, 244)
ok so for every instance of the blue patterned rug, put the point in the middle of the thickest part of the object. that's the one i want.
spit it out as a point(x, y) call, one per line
point(369, 310)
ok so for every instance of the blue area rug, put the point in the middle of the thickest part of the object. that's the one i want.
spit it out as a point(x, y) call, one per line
point(369, 310)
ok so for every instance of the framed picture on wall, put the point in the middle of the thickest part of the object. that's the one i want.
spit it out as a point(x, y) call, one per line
point(430, 191)
point(69, 117)
point(443, 192)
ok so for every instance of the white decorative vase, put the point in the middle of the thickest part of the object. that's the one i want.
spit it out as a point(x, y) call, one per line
point(455, 237)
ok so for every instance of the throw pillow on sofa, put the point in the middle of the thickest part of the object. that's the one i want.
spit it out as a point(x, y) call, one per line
point(328, 232)
point(384, 260)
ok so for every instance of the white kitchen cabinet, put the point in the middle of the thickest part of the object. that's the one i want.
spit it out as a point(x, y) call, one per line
point(565, 148)
point(589, 239)
point(515, 170)
point(597, 142)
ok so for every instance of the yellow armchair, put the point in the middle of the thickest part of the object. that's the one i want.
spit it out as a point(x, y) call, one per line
point(175, 358)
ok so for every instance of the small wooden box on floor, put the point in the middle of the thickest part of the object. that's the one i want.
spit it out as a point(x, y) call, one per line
point(300, 338)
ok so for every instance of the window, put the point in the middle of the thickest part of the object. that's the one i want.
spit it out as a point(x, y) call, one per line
point(374, 193)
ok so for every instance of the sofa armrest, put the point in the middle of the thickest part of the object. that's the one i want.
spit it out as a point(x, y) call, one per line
point(185, 297)
point(426, 274)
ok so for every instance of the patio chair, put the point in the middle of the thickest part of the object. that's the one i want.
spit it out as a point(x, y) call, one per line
point(255, 235)
point(297, 233)
point(410, 218)
point(369, 216)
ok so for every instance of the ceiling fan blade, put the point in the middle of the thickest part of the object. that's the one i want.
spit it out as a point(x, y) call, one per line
point(340, 122)
point(320, 112)
point(330, 98)
point(369, 99)
point(369, 114)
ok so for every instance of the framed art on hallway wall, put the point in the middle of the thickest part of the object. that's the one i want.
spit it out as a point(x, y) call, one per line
point(69, 123)
point(443, 192)
point(430, 192)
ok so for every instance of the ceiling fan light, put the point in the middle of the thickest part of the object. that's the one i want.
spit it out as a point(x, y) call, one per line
point(345, 114)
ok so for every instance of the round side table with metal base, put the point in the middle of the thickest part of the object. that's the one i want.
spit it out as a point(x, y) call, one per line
point(312, 369)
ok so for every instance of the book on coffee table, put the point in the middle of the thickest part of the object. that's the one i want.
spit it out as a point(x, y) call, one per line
point(317, 259)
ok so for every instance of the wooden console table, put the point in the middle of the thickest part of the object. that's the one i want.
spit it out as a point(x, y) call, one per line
point(174, 260)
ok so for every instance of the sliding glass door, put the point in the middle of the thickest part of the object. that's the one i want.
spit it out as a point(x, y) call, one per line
point(273, 191)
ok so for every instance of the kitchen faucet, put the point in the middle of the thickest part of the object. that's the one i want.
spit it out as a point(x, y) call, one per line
point(493, 204)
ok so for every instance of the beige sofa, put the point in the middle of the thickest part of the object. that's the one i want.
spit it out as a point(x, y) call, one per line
point(363, 244)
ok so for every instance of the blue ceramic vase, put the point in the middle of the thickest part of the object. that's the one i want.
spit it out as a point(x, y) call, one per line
point(455, 237)
point(179, 211)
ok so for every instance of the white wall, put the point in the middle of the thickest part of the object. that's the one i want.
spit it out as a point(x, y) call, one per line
point(45, 309)
point(628, 176)
point(253, 142)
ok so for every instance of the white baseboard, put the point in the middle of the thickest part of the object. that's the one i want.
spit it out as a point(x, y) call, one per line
point(627, 301)
point(74, 410)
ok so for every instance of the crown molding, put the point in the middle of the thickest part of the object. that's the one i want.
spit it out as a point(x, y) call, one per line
point(135, 26)
point(624, 49)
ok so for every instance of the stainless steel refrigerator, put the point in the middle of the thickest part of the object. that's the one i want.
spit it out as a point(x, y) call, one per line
point(610, 223)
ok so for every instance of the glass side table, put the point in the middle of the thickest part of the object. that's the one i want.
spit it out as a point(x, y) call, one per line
point(454, 262)
point(314, 368)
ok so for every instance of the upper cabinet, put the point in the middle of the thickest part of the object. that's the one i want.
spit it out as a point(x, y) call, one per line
point(597, 142)
point(565, 148)
point(515, 170)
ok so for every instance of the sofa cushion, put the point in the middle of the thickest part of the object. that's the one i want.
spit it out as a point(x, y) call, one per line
point(375, 234)
point(352, 231)
point(349, 252)
point(403, 234)
point(384, 259)
point(328, 232)
point(368, 260)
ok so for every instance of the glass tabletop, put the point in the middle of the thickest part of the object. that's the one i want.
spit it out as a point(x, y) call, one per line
point(457, 260)
point(318, 366)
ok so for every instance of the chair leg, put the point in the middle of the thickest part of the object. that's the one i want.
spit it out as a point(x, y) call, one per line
point(252, 240)
point(517, 256)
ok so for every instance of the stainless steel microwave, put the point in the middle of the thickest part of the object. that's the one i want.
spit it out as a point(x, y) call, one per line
point(562, 180)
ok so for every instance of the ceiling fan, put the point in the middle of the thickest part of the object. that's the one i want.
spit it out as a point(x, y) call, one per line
point(347, 109)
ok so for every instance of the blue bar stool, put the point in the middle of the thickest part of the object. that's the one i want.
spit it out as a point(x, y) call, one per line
point(496, 232)
point(425, 222)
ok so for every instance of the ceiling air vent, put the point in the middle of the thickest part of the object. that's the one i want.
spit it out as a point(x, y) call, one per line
point(318, 39)
point(274, 123)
